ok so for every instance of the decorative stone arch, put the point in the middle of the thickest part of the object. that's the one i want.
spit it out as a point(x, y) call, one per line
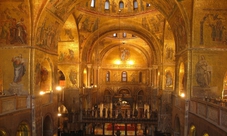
point(192, 130)
point(124, 91)
point(3, 132)
point(23, 129)
point(61, 19)
point(62, 111)
point(182, 79)
point(144, 53)
point(46, 83)
point(108, 95)
point(109, 28)
point(205, 134)
point(124, 94)
point(48, 126)
point(140, 95)
point(61, 78)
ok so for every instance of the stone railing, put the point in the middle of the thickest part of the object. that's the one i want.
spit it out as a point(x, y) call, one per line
point(213, 112)
point(12, 103)
point(47, 98)
point(153, 120)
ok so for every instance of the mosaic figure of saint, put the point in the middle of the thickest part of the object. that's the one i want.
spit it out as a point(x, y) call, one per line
point(203, 75)
point(19, 68)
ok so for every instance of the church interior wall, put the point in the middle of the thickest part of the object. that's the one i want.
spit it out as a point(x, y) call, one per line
point(50, 54)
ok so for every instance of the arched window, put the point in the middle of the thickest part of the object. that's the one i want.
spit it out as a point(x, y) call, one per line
point(148, 4)
point(135, 4)
point(61, 79)
point(107, 5)
point(23, 130)
point(108, 76)
point(192, 131)
point(92, 3)
point(205, 134)
point(124, 76)
point(115, 35)
point(124, 35)
point(121, 4)
point(140, 77)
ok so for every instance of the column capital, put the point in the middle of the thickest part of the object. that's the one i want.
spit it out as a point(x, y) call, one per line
point(89, 65)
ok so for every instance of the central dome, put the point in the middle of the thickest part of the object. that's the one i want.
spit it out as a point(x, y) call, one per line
point(117, 8)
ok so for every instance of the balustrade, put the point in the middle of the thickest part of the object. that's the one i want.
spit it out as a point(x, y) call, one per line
point(116, 116)
point(213, 110)
point(12, 103)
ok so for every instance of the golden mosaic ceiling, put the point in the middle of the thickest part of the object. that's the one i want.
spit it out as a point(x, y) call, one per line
point(143, 26)
point(98, 21)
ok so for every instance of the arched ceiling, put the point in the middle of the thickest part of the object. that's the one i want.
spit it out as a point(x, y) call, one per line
point(145, 27)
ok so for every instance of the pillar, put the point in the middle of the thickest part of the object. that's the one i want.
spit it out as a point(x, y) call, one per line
point(135, 129)
point(113, 129)
point(95, 78)
point(126, 129)
point(89, 75)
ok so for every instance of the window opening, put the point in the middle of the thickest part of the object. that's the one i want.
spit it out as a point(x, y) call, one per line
point(92, 3)
point(124, 35)
point(107, 5)
point(108, 76)
point(148, 4)
point(124, 76)
point(121, 4)
point(135, 4)
point(115, 35)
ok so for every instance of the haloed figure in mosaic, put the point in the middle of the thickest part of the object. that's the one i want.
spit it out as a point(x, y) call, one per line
point(19, 68)
point(203, 74)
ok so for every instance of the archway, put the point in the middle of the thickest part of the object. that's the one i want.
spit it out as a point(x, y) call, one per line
point(46, 76)
point(177, 126)
point(47, 126)
point(61, 78)
point(181, 83)
point(205, 134)
point(3, 133)
point(62, 118)
point(192, 131)
point(23, 130)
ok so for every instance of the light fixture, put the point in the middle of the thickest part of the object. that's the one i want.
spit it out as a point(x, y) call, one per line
point(41, 92)
point(182, 94)
point(85, 71)
point(118, 62)
point(130, 62)
point(58, 88)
